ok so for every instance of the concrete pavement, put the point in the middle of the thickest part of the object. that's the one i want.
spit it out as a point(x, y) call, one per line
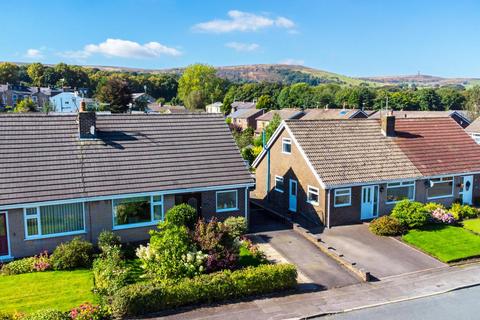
point(297, 306)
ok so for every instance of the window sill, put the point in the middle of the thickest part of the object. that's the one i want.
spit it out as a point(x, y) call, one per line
point(226, 210)
point(395, 202)
point(440, 197)
point(342, 205)
point(313, 203)
point(135, 225)
point(6, 258)
point(281, 191)
point(56, 235)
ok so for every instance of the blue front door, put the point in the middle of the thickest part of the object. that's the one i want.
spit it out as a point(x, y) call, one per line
point(292, 198)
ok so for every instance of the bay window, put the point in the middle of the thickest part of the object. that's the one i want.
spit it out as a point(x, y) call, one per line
point(397, 191)
point(137, 211)
point(440, 188)
point(54, 220)
point(226, 200)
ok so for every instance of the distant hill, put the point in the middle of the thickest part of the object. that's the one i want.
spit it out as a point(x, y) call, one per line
point(295, 73)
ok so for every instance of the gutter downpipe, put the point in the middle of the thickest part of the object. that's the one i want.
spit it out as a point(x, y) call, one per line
point(264, 140)
point(328, 210)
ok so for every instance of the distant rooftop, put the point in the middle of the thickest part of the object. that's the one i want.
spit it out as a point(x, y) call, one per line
point(284, 114)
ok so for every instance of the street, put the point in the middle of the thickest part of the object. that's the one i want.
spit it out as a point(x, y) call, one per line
point(460, 304)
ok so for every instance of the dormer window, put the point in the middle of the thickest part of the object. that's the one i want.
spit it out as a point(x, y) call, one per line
point(286, 146)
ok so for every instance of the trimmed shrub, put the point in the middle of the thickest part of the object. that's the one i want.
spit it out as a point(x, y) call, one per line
point(142, 298)
point(107, 240)
point(110, 272)
point(182, 215)
point(461, 212)
point(47, 314)
point(386, 226)
point(432, 206)
point(20, 266)
point(410, 214)
point(237, 226)
point(77, 253)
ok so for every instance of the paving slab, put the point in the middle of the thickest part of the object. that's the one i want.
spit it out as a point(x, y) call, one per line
point(382, 256)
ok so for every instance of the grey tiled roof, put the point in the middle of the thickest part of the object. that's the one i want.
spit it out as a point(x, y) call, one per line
point(245, 113)
point(283, 113)
point(320, 114)
point(349, 152)
point(474, 127)
point(42, 158)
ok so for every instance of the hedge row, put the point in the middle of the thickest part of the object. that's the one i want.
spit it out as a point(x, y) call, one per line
point(142, 298)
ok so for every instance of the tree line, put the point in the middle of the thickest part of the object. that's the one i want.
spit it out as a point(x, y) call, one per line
point(199, 86)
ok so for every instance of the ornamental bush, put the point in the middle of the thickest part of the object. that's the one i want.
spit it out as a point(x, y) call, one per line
point(88, 311)
point(461, 212)
point(182, 215)
point(237, 226)
point(20, 266)
point(410, 214)
point(432, 206)
point(77, 253)
point(386, 226)
point(147, 297)
point(442, 216)
point(47, 314)
point(110, 272)
point(107, 240)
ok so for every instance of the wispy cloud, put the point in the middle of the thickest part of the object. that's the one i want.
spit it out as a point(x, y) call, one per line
point(292, 62)
point(123, 49)
point(243, 47)
point(34, 54)
point(243, 21)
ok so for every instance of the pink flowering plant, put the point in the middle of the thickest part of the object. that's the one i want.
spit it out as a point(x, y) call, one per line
point(441, 216)
point(42, 262)
point(88, 311)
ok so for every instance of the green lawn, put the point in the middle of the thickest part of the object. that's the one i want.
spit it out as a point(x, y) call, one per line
point(447, 243)
point(472, 224)
point(61, 290)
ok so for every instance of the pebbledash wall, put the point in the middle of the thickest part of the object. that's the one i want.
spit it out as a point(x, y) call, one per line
point(99, 217)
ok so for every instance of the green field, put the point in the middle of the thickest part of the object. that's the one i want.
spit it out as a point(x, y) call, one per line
point(446, 243)
point(60, 290)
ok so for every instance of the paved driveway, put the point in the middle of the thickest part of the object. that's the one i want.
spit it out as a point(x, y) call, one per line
point(382, 256)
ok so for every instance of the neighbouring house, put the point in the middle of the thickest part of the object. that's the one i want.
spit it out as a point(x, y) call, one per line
point(215, 107)
point(140, 100)
point(335, 172)
point(165, 108)
point(460, 116)
point(10, 95)
point(321, 114)
point(474, 130)
point(66, 102)
point(245, 118)
point(238, 105)
point(285, 114)
point(66, 175)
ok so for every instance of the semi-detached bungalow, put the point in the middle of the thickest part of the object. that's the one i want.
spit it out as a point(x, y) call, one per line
point(69, 175)
point(334, 172)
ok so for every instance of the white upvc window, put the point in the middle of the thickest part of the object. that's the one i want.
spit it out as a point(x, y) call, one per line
point(135, 212)
point(54, 220)
point(342, 197)
point(279, 185)
point(226, 200)
point(440, 188)
point(397, 191)
point(286, 146)
point(312, 195)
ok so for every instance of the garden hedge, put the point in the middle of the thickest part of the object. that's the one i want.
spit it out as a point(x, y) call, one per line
point(147, 297)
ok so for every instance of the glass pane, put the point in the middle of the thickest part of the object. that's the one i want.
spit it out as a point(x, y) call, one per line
point(157, 198)
point(32, 227)
point(3, 227)
point(440, 189)
point(312, 197)
point(398, 194)
point(31, 211)
point(226, 200)
point(132, 210)
point(61, 218)
point(342, 200)
point(158, 212)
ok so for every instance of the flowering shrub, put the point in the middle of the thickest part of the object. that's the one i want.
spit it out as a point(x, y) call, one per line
point(20, 266)
point(460, 212)
point(194, 263)
point(237, 226)
point(42, 262)
point(110, 272)
point(442, 216)
point(88, 311)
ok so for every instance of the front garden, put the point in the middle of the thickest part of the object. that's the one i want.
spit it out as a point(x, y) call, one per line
point(186, 262)
point(450, 235)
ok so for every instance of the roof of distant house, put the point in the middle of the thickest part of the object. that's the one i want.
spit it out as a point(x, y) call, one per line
point(419, 114)
point(245, 113)
point(474, 127)
point(284, 114)
point(244, 105)
point(356, 152)
point(319, 114)
point(215, 104)
point(158, 107)
point(44, 160)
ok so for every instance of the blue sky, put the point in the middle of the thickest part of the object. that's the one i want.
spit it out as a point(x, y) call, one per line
point(352, 37)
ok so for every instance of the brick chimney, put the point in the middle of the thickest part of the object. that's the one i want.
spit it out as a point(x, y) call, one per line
point(388, 124)
point(87, 122)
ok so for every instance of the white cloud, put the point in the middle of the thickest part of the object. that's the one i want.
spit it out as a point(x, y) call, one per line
point(292, 62)
point(242, 47)
point(243, 21)
point(33, 54)
point(124, 49)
